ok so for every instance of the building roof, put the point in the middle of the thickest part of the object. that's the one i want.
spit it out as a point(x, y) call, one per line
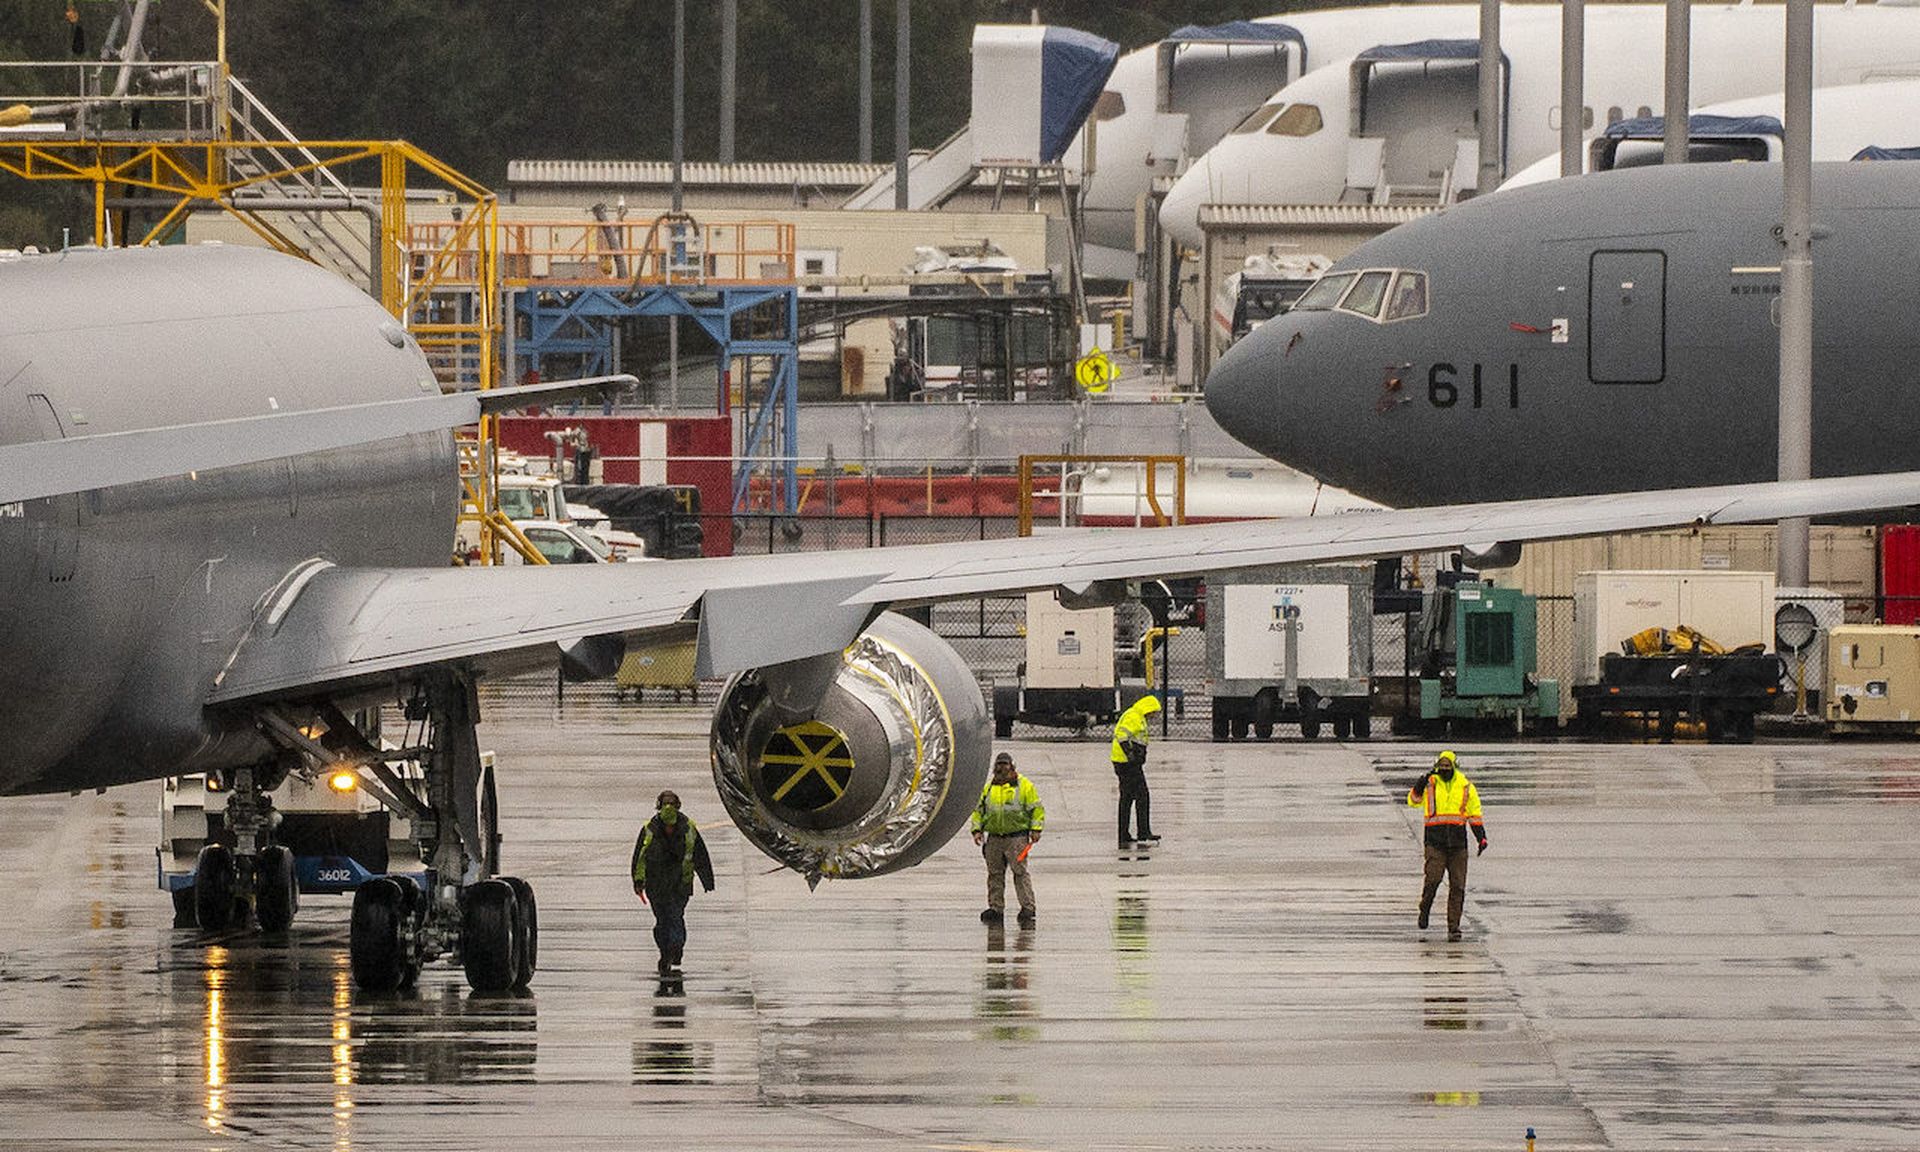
point(707, 173)
point(1218, 217)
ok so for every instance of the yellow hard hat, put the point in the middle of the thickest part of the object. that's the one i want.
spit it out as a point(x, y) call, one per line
point(1446, 757)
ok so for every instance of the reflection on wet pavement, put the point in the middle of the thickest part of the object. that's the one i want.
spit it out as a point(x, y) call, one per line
point(1666, 947)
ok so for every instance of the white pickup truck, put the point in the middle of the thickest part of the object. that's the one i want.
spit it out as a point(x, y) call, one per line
point(531, 501)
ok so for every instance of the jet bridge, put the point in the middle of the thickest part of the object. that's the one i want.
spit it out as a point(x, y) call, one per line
point(1641, 141)
point(1414, 135)
point(1041, 83)
point(1208, 78)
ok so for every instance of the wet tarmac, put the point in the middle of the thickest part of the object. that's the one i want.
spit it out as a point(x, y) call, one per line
point(1678, 947)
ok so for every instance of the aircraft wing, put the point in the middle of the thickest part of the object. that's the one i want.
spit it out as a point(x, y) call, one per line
point(333, 629)
point(42, 468)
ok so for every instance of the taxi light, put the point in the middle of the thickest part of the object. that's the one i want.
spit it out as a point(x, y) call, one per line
point(343, 781)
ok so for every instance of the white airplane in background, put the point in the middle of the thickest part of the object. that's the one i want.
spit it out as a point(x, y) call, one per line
point(1397, 121)
point(1173, 100)
point(1847, 120)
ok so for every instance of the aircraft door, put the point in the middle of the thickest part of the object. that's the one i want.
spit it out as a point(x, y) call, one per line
point(1627, 317)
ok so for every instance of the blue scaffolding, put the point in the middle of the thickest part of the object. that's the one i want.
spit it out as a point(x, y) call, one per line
point(580, 322)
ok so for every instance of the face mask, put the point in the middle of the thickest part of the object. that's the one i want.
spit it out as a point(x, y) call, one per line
point(669, 812)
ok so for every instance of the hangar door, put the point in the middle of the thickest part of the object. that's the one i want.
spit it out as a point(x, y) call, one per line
point(1627, 318)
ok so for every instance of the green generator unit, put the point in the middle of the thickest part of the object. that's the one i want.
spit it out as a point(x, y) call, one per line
point(1480, 657)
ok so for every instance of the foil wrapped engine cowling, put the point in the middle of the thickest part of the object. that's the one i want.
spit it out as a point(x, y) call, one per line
point(886, 770)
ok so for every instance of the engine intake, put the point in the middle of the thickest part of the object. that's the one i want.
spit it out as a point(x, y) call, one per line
point(882, 774)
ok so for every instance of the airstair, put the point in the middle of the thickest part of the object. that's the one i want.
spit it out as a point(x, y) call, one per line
point(933, 178)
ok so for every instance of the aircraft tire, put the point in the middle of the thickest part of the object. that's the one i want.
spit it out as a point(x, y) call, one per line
point(1362, 726)
point(1239, 728)
point(183, 916)
point(374, 946)
point(488, 935)
point(527, 944)
point(1219, 728)
point(277, 890)
point(1342, 728)
point(1310, 728)
point(215, 882)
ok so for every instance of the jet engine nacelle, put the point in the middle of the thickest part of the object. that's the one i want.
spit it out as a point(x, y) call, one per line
point(884, 772)
point(1480, 557)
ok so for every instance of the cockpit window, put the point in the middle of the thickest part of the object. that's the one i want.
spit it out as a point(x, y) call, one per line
point(1297, 120)
point(1368, 293)
point(1256, 120)
point(1408, 298)
point(1325, 294)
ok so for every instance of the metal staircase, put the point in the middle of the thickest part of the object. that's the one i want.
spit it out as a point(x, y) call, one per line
point(293, 184)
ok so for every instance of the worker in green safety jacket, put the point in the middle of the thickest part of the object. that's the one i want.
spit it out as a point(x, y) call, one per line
point(1129, 756)
point(1006, 825)
point(667, 856)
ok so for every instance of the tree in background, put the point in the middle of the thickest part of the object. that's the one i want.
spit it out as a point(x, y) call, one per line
point(481, 82)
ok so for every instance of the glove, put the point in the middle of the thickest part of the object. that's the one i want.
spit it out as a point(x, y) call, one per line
point(707, 885)
point(1033, 837)
point(640, 892)
point(979, 838)
point(1483, 847)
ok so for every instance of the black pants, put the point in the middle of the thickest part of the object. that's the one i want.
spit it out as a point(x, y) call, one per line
point(1133, 792)
point(669, 925)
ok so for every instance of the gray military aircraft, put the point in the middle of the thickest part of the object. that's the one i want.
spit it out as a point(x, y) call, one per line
point(1614, 331)
point(227, 495)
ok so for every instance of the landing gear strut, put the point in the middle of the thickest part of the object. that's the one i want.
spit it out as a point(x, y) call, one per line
point(484, 922)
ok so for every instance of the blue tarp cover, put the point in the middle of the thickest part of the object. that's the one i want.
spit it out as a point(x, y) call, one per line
point(1424, 50)
point(1875, 152)
point(1074, 67)
point(1239, 32)
point(1650, 127)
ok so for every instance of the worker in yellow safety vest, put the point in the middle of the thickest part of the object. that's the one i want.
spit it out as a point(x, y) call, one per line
point(1129, 755)
point(1007, 824)
point(1453, 807)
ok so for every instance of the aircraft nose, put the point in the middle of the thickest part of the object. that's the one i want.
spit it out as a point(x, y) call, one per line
point(1243, 391)
point(1180, 210)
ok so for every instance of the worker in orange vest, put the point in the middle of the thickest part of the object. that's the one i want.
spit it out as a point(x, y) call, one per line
point(1453, 807)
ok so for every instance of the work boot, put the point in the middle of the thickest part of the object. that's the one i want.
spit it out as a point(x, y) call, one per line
point(665, 966)
point(1423, 917)
point(992, 916)
point(1027, 917)
point(1146, 838)
point(1125, 843)
point(1453, 935)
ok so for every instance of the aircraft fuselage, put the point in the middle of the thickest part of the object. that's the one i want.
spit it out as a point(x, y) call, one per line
point(110, 592)
point(1614, 332)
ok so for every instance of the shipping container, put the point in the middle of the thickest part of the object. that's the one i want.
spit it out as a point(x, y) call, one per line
point(1840, 557)
point(1730, 608)
point(1900, 574)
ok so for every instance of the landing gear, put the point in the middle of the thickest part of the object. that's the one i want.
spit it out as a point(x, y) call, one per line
point(529, 944)
point(216, 889)
point(485, 923)
point(276, 891)
point(380, 940)
point(492, 936)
